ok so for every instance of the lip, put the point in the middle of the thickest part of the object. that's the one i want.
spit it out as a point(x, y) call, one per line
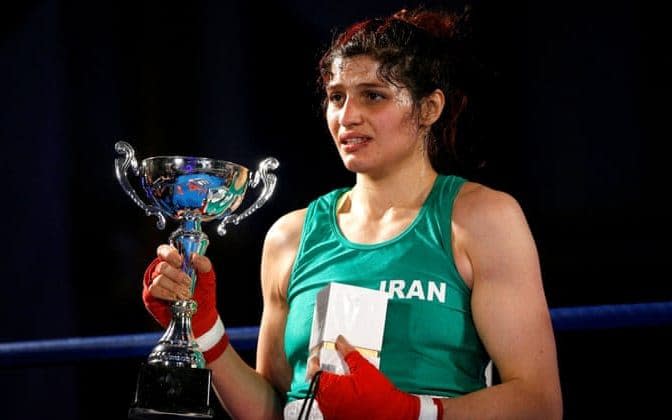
point(346, 144)
point(345, 137)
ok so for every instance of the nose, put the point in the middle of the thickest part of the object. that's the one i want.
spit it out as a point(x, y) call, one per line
point(350, 113)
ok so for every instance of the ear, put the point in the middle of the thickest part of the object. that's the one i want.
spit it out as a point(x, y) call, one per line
point(431, 107)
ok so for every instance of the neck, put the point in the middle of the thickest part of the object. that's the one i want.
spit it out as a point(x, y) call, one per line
point(403, 189)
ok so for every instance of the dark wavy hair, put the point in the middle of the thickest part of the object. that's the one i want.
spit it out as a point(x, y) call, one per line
point(421, 50)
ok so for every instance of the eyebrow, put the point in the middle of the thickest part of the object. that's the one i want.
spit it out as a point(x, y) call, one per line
point(359, 86)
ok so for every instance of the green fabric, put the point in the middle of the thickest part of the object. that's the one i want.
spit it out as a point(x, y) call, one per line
point(430, 344)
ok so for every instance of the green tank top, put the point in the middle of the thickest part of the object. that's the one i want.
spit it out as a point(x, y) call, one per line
point(430, 344)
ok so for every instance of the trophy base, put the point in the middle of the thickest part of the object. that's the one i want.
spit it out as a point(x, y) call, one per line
point(171, 393)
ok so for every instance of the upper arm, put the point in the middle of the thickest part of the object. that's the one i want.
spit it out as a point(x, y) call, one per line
point(508, 302)
point(280, 248)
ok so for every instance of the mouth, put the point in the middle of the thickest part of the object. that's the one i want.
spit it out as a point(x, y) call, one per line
point(351, 144)
point(354, 140)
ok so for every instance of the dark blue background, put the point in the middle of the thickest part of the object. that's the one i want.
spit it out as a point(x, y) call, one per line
point(570, 121)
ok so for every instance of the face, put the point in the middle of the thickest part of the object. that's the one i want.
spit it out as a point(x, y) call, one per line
point(370, 120)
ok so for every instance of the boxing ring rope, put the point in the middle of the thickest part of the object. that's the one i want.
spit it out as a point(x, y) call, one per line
point(76, 349)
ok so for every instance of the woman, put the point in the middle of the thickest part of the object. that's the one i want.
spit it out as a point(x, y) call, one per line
point(393, 98)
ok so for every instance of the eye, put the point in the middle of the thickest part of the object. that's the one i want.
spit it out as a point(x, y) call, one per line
point(336, 98)
point(373, 96)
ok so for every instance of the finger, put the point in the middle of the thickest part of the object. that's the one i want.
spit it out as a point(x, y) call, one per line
point(312, 367)
point(157, 291)
point(169, 254)
point(163, 287)
point(175, 274)
point(343, 346)
point(201, 263)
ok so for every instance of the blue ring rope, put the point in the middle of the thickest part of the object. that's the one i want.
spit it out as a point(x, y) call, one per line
point(76, 349)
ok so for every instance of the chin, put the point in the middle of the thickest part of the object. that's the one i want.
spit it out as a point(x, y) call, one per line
point(355, 166)
point(362, 169)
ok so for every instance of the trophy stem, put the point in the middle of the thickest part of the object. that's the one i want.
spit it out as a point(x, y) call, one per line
point(190, 239)
point(178, 347)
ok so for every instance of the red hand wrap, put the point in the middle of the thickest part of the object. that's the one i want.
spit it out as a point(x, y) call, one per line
point(365, 394)
point(206, 318)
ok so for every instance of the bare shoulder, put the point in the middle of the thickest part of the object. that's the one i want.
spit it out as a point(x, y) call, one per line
point(284, 235)
point(491, 232)
point(484, 223)
point(286, 231)
point(280, 248)
point(479, 209)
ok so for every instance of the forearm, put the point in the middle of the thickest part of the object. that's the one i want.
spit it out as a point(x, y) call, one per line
point(510, 400)
point(242, 391)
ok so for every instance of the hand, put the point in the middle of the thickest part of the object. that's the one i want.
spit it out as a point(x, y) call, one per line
point(367, 393)
point(165, 282)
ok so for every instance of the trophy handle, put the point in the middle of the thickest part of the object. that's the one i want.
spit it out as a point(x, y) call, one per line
point(121, 166)
point(268, 180)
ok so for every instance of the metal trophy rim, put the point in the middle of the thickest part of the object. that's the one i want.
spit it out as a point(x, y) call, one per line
point(197, 158)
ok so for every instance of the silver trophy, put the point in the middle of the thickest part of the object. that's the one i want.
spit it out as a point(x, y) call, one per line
point(189, 190)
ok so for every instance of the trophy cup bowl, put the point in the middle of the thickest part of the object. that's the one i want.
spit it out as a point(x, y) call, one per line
point(174, 382)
